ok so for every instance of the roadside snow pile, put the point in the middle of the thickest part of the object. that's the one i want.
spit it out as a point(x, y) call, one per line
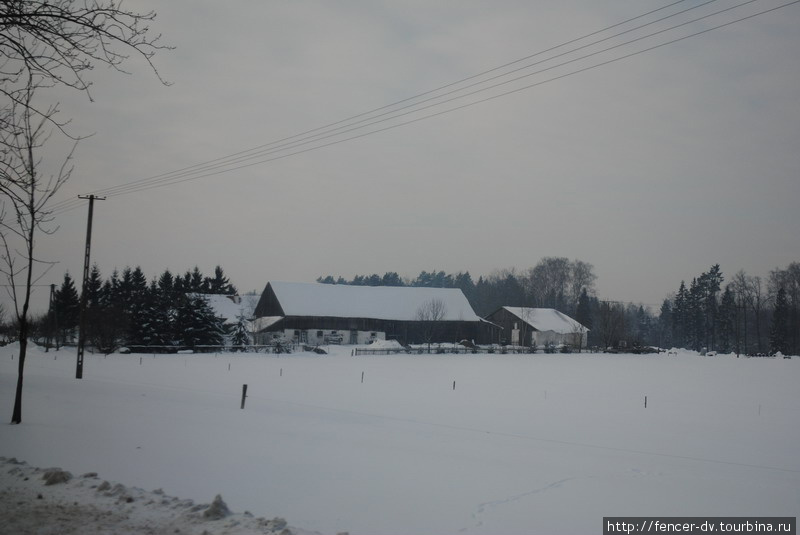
point(385, 344)
point(52, 500)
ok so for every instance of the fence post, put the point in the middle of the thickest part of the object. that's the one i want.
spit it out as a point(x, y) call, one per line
point(244, 394)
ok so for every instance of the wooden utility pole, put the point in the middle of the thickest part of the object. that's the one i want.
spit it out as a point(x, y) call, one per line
point(84, 297)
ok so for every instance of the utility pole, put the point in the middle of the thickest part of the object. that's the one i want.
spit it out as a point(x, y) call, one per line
point(84, 297)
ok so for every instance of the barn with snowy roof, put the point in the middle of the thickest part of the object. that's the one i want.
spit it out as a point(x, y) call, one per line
point(524, 326)
point(316, 313)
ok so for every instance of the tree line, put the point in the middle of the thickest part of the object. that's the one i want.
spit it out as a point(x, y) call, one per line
point(127, 310)
point(746, 315)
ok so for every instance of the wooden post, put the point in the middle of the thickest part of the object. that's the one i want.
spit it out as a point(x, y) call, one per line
point(454, 385)
point(645, 402)
point(244, 394)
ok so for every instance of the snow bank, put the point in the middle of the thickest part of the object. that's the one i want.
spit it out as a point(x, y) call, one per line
point(385, 345)
point(35, 500)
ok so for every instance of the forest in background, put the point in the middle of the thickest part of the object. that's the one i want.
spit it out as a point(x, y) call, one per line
point(742, 313)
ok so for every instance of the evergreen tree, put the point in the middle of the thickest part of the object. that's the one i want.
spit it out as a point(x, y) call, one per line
point(219, 284)
point(583, 313)
point(94, 310)
point(239, 335)
point(166, 286)
point(680, 317)
point(193, 281)
point(67, 308)
point(158, 329)
point(110, 327)
point(710, 283)
point(779, 332)
point(695, 315)
point(137, 307)
point(196, 324)
point(392, 279)
point(665, 322)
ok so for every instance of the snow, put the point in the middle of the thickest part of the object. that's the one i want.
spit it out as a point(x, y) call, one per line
point(547, 319)
point(230, 307)
point(523, 444)
point(39, 501)
point(385, 345)
point(377, 302)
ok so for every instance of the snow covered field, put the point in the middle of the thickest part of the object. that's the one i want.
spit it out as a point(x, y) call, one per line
point(523, 444)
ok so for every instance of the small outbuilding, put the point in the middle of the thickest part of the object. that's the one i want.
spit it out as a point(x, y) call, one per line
point(538, 327)
point(316, 313)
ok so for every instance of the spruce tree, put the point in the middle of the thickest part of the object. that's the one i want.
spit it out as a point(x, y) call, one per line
point(67, 308)
point(680, 317)
point(239, 335)
point(583, 314)
point(665, 324)
point(219, 284)
point(137, 308)
point(196, 324)
point(94, 311)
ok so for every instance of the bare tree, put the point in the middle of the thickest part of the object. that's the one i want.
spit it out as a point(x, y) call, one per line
point(46, 44)
point(582, 279)
point(610, 323)
point(430, 314)
point(23, 209)
point(740, 284)
point(757, 301)
point(58, 42)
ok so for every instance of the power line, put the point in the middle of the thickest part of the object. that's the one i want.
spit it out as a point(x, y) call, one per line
point(371, 119)
point(232, 158)
point(326, 136)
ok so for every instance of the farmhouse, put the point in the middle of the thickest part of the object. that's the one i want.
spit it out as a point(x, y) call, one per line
point(539, 327)
point(315, 313)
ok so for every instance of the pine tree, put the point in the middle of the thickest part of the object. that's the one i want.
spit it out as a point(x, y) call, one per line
point(710, 283)
point(67, 308)
point(94, 311)
point(583, 314)
point(196, 324)
point(779, 332)
point(219, 284)
point(137, 308)
point(665, 321)
point(110, 326)
point(680, 317)
point(154, 328)
point(239, 335)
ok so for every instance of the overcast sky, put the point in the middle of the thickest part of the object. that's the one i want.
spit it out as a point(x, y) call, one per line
point(652, 168)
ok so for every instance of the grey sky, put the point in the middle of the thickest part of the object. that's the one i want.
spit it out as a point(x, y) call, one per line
point(652, 168)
